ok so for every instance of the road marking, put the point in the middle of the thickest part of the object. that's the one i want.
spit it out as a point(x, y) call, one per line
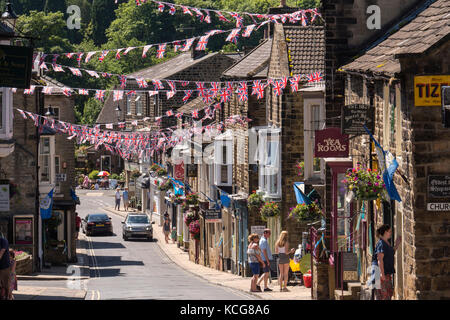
point(94, 258)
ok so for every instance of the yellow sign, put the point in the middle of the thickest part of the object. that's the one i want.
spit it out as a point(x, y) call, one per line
point(427, 90)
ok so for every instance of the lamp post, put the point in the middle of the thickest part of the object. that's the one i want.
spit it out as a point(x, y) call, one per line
point(118, 113)
point(9, 16)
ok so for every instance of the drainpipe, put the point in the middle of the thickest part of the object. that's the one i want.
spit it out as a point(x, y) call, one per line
point(39, 110)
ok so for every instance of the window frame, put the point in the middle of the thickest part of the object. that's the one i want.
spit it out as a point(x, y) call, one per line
point(51, 157)
point(265, 168)
point(6, 116)
point(223, 143)
point(309, 136)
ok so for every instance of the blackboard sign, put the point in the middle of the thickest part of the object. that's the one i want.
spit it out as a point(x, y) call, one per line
point(15, 66)
point(349, 262)
point(439, 186)
point(192, 170)
point(213, 215)
point(355, 116)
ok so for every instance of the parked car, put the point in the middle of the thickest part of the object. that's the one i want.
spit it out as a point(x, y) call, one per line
point(96, 223)
point(137, 225)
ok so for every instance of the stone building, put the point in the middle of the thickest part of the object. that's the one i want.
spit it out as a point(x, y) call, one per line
point(385, 77)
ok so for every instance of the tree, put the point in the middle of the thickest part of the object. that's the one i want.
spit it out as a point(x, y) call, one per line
point(102, 14)
point(91, 111)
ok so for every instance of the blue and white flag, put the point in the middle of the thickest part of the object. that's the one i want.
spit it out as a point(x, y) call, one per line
point(388, 164)
point(46, 206)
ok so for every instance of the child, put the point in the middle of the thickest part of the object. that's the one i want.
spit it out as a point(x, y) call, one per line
point(174, 234)
point(13, 286)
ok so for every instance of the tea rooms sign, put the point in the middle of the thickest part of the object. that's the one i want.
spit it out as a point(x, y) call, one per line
point(331, 143)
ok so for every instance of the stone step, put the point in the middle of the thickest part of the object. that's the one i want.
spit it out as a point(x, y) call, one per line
point(354, 288)
point(343, 295)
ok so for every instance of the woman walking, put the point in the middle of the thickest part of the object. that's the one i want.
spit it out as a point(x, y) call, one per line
point(384, 259)
point(166, 227)
point(282, 249)
point(254, 260)
point(13, 286)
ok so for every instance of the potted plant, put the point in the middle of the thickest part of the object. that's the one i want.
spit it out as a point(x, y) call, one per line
point(269, 209)
point(365, 183)
point(300, 168)
point(306, 212)
point(194, 229)
point(189, 217)
point(191, 200)
point(161, 172)
point(255, 200)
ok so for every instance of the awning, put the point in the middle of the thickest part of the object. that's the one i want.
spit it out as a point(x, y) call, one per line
point(299, 195)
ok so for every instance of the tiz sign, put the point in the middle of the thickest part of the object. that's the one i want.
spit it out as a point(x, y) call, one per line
point(331, 143)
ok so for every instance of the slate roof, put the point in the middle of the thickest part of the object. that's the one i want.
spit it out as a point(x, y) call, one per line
point(306, 46)
point(254, 64)
point(429, 27)
point(196, 103)
point(5, 29)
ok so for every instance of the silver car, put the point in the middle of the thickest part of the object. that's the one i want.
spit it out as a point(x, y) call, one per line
point(137, 226)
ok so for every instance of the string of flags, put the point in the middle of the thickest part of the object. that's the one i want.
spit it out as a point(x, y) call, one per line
point(204, 14)
point(182, 45)
point(208, 91)
point(128, 144)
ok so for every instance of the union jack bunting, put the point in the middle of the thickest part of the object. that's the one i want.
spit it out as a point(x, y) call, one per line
point(103, 55)
point(169, 113)
point(128, 50)
point(239, 19)
point(184, 83)
point(83, 92)
point(131, 93)
point(170, 94)
point(243, 91)
point(198, 13)
point(118, 53)
point(201, 88)
point(265, 22)
point(258, 89)
point(233, 36)
point(76, 72)
point(207, 97)
point(134, 123)
point(315, 77)
point(222, 17)
point(22, 113)
point(118, 95)
point(230, 86)
point(160, 7)
point(225, 96)
point(171, 85)
point(188, 44)
point(207, 18)
point(278, 88)
point(144, 52)
point(195, 114)
point(142, 83)
point(89, 56)
point(201, 45)
point(92, 73)
point(284, 82)
point(109, 125)
point(152, 93)
point(248, 31)
point(29, 90)
point(215, 88)
point(67, 91)
point(187, 95)
point(172, 10)
point(217, 107)
point(43, 66)
point(176, 46)
point(79, 56)
point(161, 50)
point(158, 84)
point(294, 83)
point(123, 81)
point(47, 90)
point(186, 10)
point(100, 95)
point(316, 13)
point(179, 115)
point(55, 57)
point(69, 55)
point(304, 19)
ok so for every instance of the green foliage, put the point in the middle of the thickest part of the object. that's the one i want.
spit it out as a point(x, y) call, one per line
point(304, 212)
point(269, 209)
point(94, 174)
point(91, 111)
point(255, 200)
point(115, 176)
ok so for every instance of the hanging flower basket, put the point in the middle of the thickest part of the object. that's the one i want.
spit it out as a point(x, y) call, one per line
point(365, 184)
point(167, 185)
point(176, 199)
point(161, 172)
point(190, 217)
point(194, 227)
point(191, 200)
point(269, 209)
point(154, 167)
point(255, 201)
point(135, 174)
point(306, 212)
point(300, 168)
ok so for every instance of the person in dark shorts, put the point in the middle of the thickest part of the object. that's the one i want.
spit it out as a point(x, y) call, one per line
point(5, 269)
point(254, 260)
point(166, 227)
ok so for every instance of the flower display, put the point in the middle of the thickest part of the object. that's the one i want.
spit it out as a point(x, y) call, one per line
point(190, 217)
point(191, 199)
point(306, 212)
point(300, 168)
point(364, 183)
point(167, 185)
point(154, 167)
point(255, 200)
point(269, 209)
point(176, 199)
point(194, 227)
point(161, 172)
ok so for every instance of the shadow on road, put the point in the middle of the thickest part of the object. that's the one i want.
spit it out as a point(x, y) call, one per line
point(110, 261)
point(107, 245)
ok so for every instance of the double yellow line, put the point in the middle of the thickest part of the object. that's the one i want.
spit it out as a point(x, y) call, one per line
point(95, 293)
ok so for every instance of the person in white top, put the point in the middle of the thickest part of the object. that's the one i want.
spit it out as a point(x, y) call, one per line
point(117, 206)
point(282, 248)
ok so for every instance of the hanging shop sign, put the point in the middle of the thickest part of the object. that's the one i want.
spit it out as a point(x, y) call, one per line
point(212, 215)
point(331, 143)
point(355, 116)
point(439, 186)
point(192, 170)
point(179, 171)
point(15, 66)
point(427, 90)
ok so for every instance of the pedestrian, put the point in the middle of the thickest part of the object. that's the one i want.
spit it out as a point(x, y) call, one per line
point(13, 285)
point(117, 207)
point(384, 259)
point(5, 267)
point(282, 249)
point(125, 197)
point(77, 224)
point(86, 182)
point(266, 255)
point(166, 227)
point(254, 260)
point(96, 187)
point(174, 234)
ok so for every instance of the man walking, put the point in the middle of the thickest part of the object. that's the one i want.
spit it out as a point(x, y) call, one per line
point(5, 275)
point(266, 255)
point(117, 206)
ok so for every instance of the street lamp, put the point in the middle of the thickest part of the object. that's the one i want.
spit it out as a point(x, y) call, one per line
point(9, 16)
point(49, 112)
point(118, 112)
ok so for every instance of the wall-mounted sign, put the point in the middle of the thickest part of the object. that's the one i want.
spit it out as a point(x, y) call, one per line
point(438, 206)
point(427, 90)
point(355, 116)
point(439, 186)
point(23, 230)
point(212, 215)
point(179, 171)
point(61, 177)
point(4, 197)
point(15, 66)
point(192, 170)
point(259, 230)
point(330, 143)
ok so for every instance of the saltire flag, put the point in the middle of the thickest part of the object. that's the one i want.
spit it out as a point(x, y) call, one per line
point(103, 55)
point(222, 17)
point(22, 113)
point(258, 89)
point(215, 88)
point(89, 56)
point(161, 50)
point(278, 88)
point(186, 10)
point(118, 95)
point(158, 84)
point(172, 10)
point(187, 95)
point(92, 73)
point(233, 36)
point(243, 92)
point(128, 50)
point(100, 95)
point(47, 90)
point(83, 92)
point(142, 83)
point(225, 95)
point(294, 82)
point(388, 165)
point(67, 91)
point(75, 71)
point(169, 113)
point(145, 50)
point(201, 45)
point(160, 6)
point(188, 44)
point(195, 114)
point(123, 81)
point(179, 115)
point(79, 56)
point(248, 30)
point(29, 90)
point(118, 53)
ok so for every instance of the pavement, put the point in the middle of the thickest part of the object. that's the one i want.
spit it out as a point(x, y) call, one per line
point(217, 277)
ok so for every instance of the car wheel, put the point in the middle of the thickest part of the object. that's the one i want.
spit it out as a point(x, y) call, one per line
point(125, 238)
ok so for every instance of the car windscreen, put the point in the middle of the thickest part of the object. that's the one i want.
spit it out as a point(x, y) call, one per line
point(138, 219)
point(99, 217)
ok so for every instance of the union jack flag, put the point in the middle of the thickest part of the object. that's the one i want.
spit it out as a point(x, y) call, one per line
point(215, 88)
point(222, 17)
point(83, 92)
point(67, 91)
point(152, 93)
point(161, 50)
point(22, 113)
point(186, 10)
point(79, 56)
point(160, 7)
point(188, 44)
point(118, 95)
point(304, 19)
point(29, 90)
point(47, 90)
point(207, 97)
point(169, 113)
point(315, 77)
point(55, 57)
point(123, 81)
point(233, 36)
point(43, 66)
point(142, 83)
point(76, 72)
point(184, 83)
point(128, 50)
point(144, 52)
point(171, 85)
point(131, 93)
point(278, 88)
point(239, 19)
point(198, 13)
point(316, 13)
point(207, 18)
point(176, 46)
point(195, 114)
point(201, 88)
point(89, 56)
point(118, 53)
point(258, 89)
point(69, 55)
point(172, 10)
point(284, 82)
point(187, 95)
point(294, 83)
point(170, 94)
point(158, 84)
point(179, 115)
point(201, 45)
point(225, 96)
point(100, 95)
point(103, 55)
point(248, 31)
point(92, 73)
point(243, 92)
